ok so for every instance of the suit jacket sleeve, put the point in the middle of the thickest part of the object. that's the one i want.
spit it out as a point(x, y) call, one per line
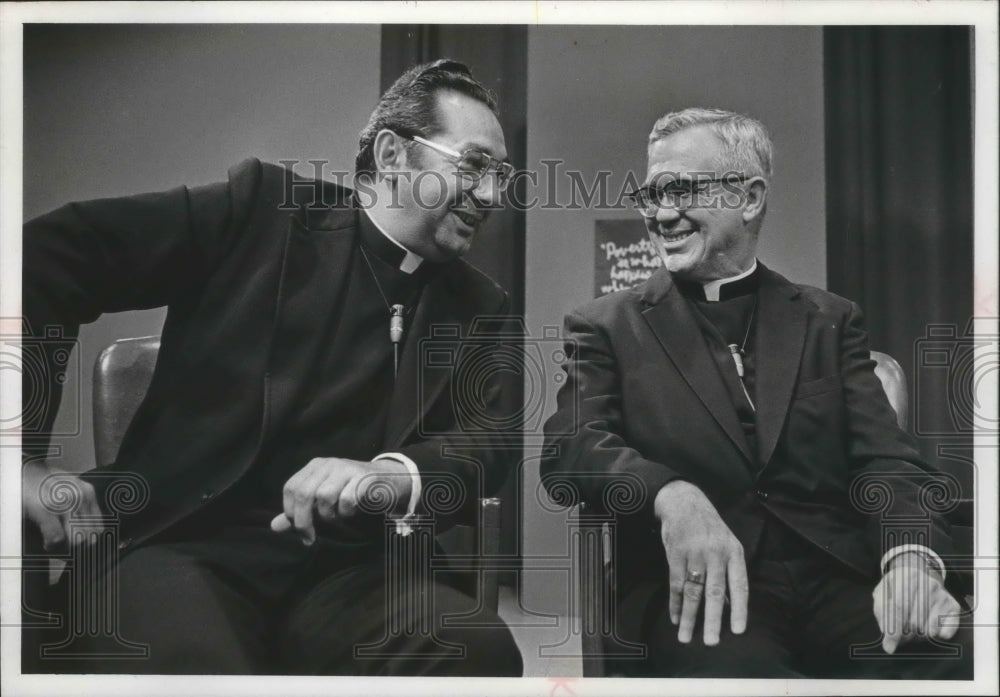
point(462, 459)
point(890, 481)
point(585, 447)
point(111, 255)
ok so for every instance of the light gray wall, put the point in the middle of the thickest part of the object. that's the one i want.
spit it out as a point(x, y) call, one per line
point(593, 95)
point(117, 109)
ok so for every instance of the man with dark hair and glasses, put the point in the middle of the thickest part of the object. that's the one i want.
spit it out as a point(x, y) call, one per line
point(745, 412)
point(290, 411)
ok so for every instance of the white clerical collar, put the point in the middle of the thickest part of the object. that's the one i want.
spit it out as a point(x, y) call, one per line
point(712, 288)
point(411, 261)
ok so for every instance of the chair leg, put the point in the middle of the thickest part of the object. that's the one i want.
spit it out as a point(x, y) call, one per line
point(595, 551)
point(490, 550)
point(591, 578)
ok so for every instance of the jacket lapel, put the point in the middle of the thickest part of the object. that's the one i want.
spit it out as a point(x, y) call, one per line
point(417, 389)
point(780, 336)
point(671, 321)
point(313, 275)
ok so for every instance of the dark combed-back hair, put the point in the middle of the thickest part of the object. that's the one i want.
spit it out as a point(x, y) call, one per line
point(409, 107)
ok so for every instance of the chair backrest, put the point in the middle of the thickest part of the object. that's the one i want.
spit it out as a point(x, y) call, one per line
point(894, 383)
point(121, 376)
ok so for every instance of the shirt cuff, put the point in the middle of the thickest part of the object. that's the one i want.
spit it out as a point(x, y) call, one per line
point(403, 523)
point(927, 552)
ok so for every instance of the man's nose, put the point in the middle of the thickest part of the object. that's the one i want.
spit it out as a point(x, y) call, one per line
point(486, 191)
point(667, 215)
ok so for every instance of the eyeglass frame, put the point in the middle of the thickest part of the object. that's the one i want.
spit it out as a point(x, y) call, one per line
point(649, 210)
point(504, 170)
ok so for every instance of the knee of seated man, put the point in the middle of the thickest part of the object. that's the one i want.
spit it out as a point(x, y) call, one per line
point(733, 664)
point(749, 655)
point(406, 637)
point(486, 649)
point(187, 617)
point(938, 659)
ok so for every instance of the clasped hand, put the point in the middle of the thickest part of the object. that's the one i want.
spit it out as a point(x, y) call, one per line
point(698, 542)
point(333, 489)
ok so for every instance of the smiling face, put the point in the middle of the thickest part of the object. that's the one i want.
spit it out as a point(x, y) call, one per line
point(445, 210)
point(703, 242)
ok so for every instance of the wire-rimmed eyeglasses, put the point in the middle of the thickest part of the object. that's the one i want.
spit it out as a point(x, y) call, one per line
point(679, 194)
point(473, 164)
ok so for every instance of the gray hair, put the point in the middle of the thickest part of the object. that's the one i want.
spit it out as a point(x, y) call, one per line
point(747, 147)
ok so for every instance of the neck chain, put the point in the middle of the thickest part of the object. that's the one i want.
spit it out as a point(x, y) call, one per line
point(375, 277)
point(746, 334)
point(395, 314)
point(738, 352)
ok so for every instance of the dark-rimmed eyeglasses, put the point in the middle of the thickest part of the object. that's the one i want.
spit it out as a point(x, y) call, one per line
point(679, 194)
point(472, 164)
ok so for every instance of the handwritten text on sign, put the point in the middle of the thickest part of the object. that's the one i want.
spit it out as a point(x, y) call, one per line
point(623, 255)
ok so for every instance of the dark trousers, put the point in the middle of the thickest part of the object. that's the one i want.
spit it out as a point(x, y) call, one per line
point(809, 617)
point(246, 600)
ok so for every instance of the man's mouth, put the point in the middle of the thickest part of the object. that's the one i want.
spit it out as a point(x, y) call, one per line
point(467, 217)
point(676, 236)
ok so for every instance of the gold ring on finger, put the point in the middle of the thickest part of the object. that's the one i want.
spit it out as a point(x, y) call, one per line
point(696, 577)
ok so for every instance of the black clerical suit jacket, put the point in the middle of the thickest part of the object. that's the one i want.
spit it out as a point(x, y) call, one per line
point(644, 404)
point(245, 271)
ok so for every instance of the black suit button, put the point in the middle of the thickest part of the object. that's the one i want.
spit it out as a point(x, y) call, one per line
point(762, 495)
point(207, 496)
point(124, 544)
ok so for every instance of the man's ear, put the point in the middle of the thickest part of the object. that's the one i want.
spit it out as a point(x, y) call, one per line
point(756, 198)
point(388, 152)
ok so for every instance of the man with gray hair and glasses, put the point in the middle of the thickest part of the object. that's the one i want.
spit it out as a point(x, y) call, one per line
point(749, 409)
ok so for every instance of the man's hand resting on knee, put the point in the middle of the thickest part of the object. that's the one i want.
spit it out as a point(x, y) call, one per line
point(52, 498)
point(705, 559)
point(338, 490)
point(910, 602)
